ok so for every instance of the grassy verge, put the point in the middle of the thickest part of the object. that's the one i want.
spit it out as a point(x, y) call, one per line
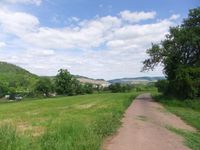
point(187, 110)
point(74, 123)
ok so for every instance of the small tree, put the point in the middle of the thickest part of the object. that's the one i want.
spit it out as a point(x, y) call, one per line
point(88, 88)
point(115, 87)
point(80, 89)
point(3, 89)
point(44, 86)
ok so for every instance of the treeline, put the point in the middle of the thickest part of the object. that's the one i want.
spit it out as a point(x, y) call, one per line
point(180, 55)
point(67, 84)
point(62, 84)
point(121, 88)
point(117, 87)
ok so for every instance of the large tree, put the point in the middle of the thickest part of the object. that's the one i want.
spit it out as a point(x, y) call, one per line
point(179, 54)
point(66, 83)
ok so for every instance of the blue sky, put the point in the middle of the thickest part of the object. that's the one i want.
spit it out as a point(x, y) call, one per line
point(99, 39)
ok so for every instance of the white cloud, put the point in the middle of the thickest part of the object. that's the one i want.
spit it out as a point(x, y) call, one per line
point(73, 19)
point(2, 44)
point(18, 23)
point(36, 2)
point(121, 46)
point(174, 17)
point(137, 16)
point(40, 52)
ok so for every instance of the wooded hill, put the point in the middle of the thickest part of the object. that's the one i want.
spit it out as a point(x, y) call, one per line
point(16, 77)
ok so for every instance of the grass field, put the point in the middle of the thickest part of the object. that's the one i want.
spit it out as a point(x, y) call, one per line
point(189, 111)
point(72, 123)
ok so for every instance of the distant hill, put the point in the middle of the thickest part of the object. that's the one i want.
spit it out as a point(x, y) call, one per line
point(137, 80)
point(101, 82)
point(16, 77)
point(84, 79)
point(23, 80)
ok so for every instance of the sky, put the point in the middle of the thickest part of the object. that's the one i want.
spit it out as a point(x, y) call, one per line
point(94, 38)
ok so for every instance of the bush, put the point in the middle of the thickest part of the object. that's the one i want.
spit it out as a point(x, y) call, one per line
point(117, 87)
point(185, 85)
point(88, 88)
point(3, 89)
point(163, 86)
point(44, 86)
point(187, 82)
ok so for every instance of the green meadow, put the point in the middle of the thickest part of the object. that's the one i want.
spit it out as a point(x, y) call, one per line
point(72, 123)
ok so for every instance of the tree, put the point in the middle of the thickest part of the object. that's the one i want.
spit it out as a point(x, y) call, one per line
point(3, 89)
point(117, 87)
point(44, 86)
point(179, 54)
point(98, 88)
point(66, 83)
point(80, 89)
point(88, 88)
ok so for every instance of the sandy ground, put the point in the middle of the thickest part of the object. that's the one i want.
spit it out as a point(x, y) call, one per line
point(144, 128)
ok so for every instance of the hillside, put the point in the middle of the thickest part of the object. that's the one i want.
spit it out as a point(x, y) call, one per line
point(101, 82)
point(16, 77)
point(137, 80)
point(21, 79)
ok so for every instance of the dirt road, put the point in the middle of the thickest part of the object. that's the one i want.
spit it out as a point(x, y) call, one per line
point(144, 128)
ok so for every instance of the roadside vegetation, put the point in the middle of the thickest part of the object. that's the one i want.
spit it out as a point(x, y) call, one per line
point(78, 122)
point(189, 111)
point(179, 53)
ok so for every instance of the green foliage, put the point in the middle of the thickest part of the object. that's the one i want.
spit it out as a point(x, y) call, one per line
point(88, 88)
point(187, 82)
point(117, 87)
point(163, 86)
point(59, 139)
point(10, 140)
point(180, 55)
point(145, 88)
point(3, 89)
point(65, 83)
point(16, 77)
point(44, 86)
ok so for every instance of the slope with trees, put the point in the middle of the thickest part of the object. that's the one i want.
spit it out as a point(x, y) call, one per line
point(15, 79)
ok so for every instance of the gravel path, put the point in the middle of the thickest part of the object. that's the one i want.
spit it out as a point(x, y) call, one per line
point(144, 128)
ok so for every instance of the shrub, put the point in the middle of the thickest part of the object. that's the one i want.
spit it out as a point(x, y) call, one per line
point(117, 87)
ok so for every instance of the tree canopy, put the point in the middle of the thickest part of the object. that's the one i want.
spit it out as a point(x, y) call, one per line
point(67, 84)
point(44, 86)
point(179, 54)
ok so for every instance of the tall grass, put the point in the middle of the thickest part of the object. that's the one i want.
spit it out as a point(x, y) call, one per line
point(73, 136)
point(70, 125)
point(10, 140)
